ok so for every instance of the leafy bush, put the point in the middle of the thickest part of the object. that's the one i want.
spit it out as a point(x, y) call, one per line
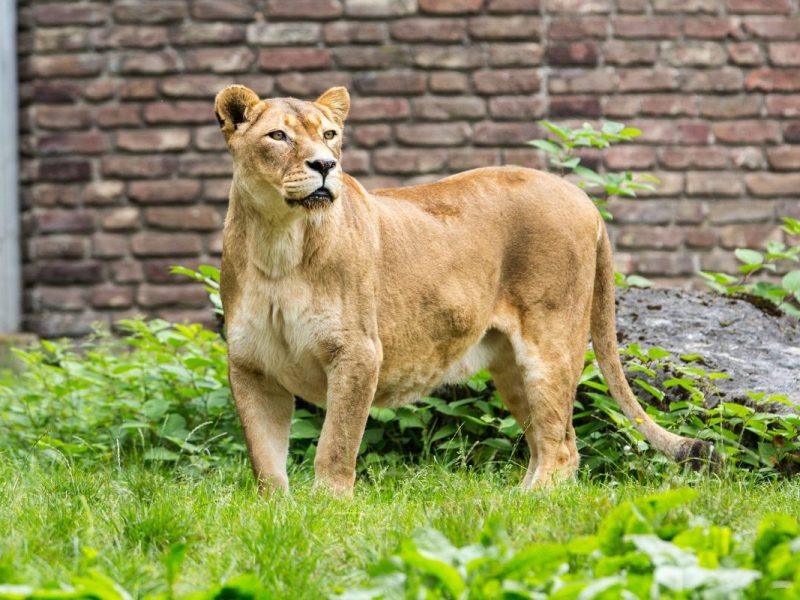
point(645, 548)
point(784, 295)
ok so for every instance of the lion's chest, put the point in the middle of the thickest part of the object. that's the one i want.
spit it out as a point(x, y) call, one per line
point(277, 329)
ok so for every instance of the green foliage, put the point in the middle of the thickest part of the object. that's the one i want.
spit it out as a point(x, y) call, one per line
point(561, 150)
point(785, 295)
point(207, 275)
point(645, 548)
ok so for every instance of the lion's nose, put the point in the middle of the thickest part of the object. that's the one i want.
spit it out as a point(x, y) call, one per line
point(321, 166)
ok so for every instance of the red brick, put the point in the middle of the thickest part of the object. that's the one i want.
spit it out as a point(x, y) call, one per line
point(148, 166)
point(447, 82)
point(630, 157)
point(137, 63)
point(356, 162)
point(63, 298)
point(784, 54)
point(472, 158)
point(663, 263)
point(513, 6)
point(58, 246)
point(516, 107)
point(674, 132)
point(648, 80)
point(438, 108)
point(203, 165)
point(621, 106)
point(577, 28)
point(64, 169)
point(46, 194)
point(129, 36)
point(748, 235)
point(515, 55)
point(450, 7)
point(305, 9)
point(517, 27)
point(61, 39)
point(428, 30)
point(524, 157)
point(68, 143)
point(69, 271)
point(746, 53)
point(70, 13)
point(685, 157)
point(390, 82)
point(152, 11)
point(578, 6)
point(784, 158)
point(219, 60)
point(593, 81)
point(200, 218)
point(505, 134)
point(773, 27)
point(102, 193)
point(117, 115)
point(354, 32)
point(283, 34)
point(644, 236)
point(702, 54)
point(53, 91)
point(122, 219)
point(150, 140)
point(773, 80)
point(773, 184)
point(371, 136)
point(230, 10)
point(312, 84)
point(378, 109)
point(748, 157)
point(179, 112)
point(194, 34)
point(713, 183)
point(646, 27)
point(632, 6)
point(216, 189)
point(791, 132)
point(157, 270)
point(166, 244)
point(364, 57)
point(408, 161)
point(112, 296)
point(508, 81)
point(728, 107)
point(575, 53)
point(784, 105)
point(752, 132)
point(686, 6)
point(447, 57)
point(105, 245)
point(717, 28)
point(209, 138)
point(100, 89)
point(151, 296)
point(668, 104)
point(726, 79)
point(769, 7)
point(700, 237)
point(291, 59)
point(619, 52)
point(575, 106)
point(194, 86)
point(379, 8)
point(433, 134)
point(63, 117)
point(67, 65)
point(138, 89)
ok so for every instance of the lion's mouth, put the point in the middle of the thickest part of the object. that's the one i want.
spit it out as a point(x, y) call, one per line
point(316, 199)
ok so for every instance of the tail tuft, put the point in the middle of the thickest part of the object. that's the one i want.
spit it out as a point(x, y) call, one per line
point(699, 455)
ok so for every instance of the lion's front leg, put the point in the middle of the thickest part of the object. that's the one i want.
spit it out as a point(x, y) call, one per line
point(265, 409)
point(352, 379)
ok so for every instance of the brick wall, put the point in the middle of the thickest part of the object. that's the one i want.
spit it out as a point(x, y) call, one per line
point(125, 173)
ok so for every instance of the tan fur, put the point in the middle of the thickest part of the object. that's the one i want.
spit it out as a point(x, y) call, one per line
point(377, 298)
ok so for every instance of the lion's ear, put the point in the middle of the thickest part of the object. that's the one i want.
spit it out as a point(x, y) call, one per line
point(231, 106)
point(337, 100)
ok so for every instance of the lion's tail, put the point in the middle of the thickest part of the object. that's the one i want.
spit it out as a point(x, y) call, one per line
point(604, 340)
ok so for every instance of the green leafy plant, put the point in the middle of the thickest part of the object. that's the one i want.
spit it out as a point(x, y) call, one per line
point(207, 275)
point(645, 548)
point(562, 147)
point(784, 295)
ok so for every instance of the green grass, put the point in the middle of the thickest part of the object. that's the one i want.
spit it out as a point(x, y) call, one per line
point(307, 544)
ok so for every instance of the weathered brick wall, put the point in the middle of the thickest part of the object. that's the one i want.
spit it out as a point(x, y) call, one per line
point(124, 171)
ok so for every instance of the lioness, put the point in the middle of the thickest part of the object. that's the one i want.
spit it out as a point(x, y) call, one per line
point(352, 299)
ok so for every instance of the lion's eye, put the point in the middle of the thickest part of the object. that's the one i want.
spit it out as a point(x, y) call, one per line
point(329, 135)
point(277, 135)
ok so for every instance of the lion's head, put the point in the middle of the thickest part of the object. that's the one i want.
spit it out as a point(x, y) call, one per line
point(283, 147)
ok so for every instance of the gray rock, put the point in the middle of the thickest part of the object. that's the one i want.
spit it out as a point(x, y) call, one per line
point(759, 350)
